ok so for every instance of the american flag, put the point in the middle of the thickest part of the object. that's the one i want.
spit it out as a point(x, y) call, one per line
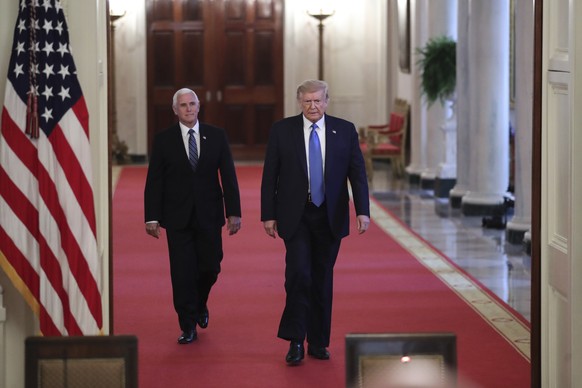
point(48, 245)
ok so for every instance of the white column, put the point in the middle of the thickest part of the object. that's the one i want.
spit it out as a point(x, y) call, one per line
point(462, 106)
point(447, 169)
point(524, 29)
point(418, 141)
point(442, 21)
point(489, 106)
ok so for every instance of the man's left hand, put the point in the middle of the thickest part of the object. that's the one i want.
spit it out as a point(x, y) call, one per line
point(363, 223)
point(233, 225)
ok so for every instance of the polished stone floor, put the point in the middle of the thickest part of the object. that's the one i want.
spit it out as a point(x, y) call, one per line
point(501, 267)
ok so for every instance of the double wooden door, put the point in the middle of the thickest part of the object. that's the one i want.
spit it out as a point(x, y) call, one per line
point(230, 52)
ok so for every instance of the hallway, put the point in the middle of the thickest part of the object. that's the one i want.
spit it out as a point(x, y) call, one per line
point(388, 281)
point(502, 268)
point(482, 252)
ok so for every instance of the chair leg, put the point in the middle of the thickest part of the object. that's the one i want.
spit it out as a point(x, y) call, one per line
point(369, 168)
point(401, 169)
point(397, 168)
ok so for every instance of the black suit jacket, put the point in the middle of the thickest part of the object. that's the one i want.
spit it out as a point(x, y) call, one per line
point(173, 190)
point(285, 184)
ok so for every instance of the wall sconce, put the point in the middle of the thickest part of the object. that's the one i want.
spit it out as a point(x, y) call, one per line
point(321, 14)
point(116, 9)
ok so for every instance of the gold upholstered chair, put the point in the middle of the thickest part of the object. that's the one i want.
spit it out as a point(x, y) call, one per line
point(387, 141)
point(81, 362)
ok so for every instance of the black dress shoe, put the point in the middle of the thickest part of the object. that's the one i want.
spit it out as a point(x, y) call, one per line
point(203, 319)
point(187, 337)
point(320, 353)
point(295, 354)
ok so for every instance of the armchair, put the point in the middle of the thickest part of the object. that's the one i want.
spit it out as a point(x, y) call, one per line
point(388, 141)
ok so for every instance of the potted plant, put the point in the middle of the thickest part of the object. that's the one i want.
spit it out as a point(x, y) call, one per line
point(438, 69)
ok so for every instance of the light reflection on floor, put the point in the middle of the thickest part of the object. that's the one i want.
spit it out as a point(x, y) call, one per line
point(484, 253)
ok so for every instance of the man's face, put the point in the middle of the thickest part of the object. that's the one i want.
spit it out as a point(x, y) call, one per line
point(313, 105)
point(186, 109)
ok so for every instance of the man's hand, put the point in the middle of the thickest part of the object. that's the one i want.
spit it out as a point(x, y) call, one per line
point(153, 229)
point(363, 223)
point(233, 225)
point(271, 228)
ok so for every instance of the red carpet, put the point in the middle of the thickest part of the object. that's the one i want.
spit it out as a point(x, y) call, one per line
point(379, 287)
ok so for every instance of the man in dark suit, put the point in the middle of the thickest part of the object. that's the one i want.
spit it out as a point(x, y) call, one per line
point(183, 194)
point(304, 199)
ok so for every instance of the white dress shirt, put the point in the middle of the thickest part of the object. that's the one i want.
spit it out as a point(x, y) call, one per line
point(321, 133)
point(185, 136)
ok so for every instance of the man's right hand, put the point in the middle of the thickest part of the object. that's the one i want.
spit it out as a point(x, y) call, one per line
point(271, 228)
point(153, 229)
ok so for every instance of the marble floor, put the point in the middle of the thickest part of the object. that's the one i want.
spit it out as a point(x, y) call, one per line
point(501, 267)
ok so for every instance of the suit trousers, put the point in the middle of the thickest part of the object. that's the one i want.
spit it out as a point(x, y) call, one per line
point(195, 257)
point(309, 260)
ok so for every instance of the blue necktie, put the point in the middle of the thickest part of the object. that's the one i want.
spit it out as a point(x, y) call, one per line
point(315, 168)
point(192, 150)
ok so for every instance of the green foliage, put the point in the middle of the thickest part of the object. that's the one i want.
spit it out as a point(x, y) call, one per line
point(438, 68)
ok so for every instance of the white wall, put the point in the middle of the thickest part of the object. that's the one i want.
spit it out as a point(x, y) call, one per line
point(355, 57)
point(131, 77)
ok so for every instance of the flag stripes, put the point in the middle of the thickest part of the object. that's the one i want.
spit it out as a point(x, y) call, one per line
point(47, 220)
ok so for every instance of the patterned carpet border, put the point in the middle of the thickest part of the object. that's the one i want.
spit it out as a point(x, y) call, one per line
point(490, 309)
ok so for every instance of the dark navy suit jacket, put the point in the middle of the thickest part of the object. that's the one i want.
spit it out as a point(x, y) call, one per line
point(173, 190)
point(285, 185)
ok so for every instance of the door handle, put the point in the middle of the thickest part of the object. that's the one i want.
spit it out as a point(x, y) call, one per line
point(208, 96)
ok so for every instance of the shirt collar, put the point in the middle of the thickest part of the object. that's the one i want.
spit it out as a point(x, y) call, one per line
point(307, 124)
point(185, 129)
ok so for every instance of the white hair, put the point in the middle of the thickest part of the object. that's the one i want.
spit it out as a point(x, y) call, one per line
point(183, 91)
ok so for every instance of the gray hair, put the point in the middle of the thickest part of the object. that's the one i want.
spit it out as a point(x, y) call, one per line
point(183, 91)
point(311, 86)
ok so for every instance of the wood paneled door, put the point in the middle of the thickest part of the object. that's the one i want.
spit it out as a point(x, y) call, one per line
point(230, 52)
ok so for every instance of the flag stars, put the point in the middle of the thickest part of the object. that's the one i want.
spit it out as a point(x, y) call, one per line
point(64, 71)
point(48, 71)
point(59, 28)
point(48, 26)
point(63, 49)
point(18, 70)
point(21, 26)
point(34, 68)
point(48, 93)
point(35, 71)
point(64, 93)
point(33, 90)
point(47, 115)
point(20, 48)
point(47, 5)
point(48, 48)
